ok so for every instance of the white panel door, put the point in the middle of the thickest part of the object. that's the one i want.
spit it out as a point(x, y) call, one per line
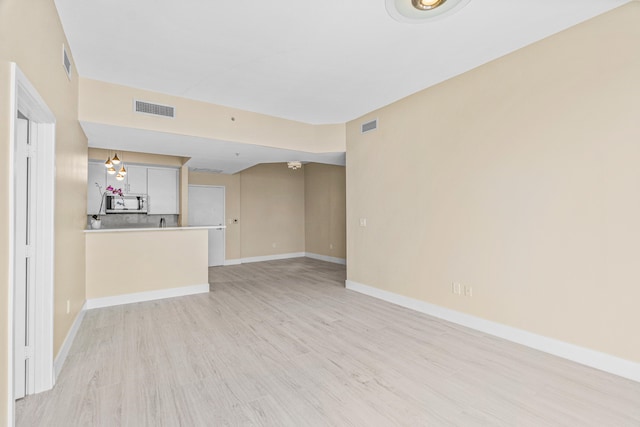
point(206, 207)
point(24, 277)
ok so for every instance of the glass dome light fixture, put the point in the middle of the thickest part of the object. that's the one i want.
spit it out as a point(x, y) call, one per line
point(111, 170)
point(122, 170)
point(115, 160)
point(120, 177)
point(418, 11)
point(108, 163)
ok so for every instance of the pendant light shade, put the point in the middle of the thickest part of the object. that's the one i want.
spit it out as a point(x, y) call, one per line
point(111, 170)
point(108, 163)
point(120, 177)
point(122, 170)
point(115, 160)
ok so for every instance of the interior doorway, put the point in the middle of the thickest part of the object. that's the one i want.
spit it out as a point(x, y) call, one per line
point(31, 224)
point(206, 207)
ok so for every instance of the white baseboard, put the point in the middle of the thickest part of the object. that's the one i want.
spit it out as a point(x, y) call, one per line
point(146, 296)
point(232, 261)
point(60, 358)
point(595, 359)
point(326, 258)
point(272, 257)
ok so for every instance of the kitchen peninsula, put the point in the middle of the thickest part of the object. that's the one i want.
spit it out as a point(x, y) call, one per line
point(125, 265)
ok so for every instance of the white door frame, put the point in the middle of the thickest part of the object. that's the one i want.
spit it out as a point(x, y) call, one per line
point(24, 97)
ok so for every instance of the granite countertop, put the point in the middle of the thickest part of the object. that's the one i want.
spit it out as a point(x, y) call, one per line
point(125, 229)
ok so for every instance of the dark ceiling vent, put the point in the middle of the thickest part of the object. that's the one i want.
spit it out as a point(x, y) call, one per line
point(154, 109)
point(66, 62)
point(369, 126)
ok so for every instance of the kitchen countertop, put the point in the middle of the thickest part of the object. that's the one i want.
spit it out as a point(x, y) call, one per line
point(120, 230)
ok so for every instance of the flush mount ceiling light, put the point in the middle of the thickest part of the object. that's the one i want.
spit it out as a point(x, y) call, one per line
point(416, 11)
point(294, 165)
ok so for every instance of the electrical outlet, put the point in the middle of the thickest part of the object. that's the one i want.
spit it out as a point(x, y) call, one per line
point(468, 291)
point(68, 306)
point(456, 288)
point(273, 245)
point(363, 222)
point(330, 245)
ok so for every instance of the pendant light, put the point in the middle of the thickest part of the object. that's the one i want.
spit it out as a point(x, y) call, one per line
point(122, 170)
point(115, 160)
point(111, 170)
point(108, 163)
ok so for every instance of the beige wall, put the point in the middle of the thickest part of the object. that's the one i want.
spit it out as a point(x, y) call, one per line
point(271, 210)
point(325, 210)
point(31, 36)
point(232, 207)
point(120, 263)
point(112, 104)
point(519, 178)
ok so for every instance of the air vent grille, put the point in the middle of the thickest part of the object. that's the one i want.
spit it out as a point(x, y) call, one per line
point(154, 109)
point(369, 126)
point(66, 62)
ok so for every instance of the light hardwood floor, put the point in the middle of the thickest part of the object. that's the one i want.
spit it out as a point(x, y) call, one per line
point(282, 343)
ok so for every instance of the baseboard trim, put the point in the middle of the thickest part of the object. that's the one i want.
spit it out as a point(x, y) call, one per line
point(61, 357)
point(595, 359)
point(146, 296)
point(272, 257)
point(232, 262)
point(326, 258)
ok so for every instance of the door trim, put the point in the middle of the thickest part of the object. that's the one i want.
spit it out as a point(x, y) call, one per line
point(24, 97)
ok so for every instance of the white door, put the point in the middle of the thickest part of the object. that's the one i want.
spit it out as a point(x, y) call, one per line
point(206, 207)
point(24, 277)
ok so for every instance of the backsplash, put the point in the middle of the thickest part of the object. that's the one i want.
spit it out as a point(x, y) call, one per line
point(132, 220)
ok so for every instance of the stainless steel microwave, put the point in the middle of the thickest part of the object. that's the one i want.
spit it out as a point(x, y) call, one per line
point(127, 203)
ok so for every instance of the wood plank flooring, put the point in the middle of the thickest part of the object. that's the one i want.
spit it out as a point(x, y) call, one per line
point(282, 343)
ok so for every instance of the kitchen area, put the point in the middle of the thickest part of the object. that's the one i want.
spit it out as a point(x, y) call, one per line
point(138, 245)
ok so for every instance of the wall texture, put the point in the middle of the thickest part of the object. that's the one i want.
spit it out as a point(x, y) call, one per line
point(325, 210)
point(271, 210)
point(31, 36)
point(519, 178)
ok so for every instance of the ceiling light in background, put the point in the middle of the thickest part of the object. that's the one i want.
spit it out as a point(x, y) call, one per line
point(416, 11)
point(294, 165)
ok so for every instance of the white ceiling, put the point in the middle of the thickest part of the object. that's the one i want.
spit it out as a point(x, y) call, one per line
point(315, 62)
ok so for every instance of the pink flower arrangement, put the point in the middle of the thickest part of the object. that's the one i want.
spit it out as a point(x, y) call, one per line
point(109, 189)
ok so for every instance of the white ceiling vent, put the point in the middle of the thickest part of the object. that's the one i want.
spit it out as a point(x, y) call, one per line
point(153, 109)
point(66, 62)
point(369, 126)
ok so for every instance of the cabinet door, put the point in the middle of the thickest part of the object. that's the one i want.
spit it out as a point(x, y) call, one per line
point(162, 187)
point(136, 180)
point(97, 175)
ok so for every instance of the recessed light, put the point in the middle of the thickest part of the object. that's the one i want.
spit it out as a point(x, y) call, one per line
point(416, 11)
point(427, 4)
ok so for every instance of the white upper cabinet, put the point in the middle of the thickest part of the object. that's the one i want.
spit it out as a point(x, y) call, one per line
point(160, 183)
point(97, 174)
point(136, 179)
point(162, 188)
